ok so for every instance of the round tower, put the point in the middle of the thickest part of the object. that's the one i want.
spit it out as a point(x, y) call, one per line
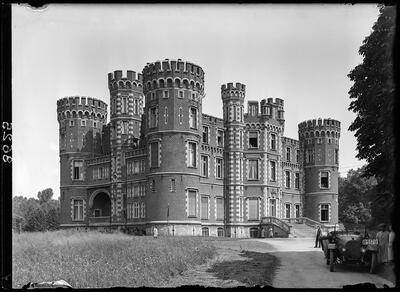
point(233, 113)
point(319, 148)
point(126, 104)
point(173, 126)
point(81, 120)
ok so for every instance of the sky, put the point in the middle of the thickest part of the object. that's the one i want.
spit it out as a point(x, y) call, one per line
point(300, 53)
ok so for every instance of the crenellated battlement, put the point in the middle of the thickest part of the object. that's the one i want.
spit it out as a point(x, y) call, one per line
point(233, 91)
point(319, 124)
point(130, 81)
point(270, 101)
point(81, 107)
point(173, 74)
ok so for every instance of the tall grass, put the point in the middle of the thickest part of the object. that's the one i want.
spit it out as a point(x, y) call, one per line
point(92, 259)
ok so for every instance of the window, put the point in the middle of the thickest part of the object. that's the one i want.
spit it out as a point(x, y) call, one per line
point(83, 123)
point(153, 117)
point(310, 155)
point(142, 166)
point(136, 107)
point(204, 166)
point(220, 232)
point(153, 185)
point(136, 167)
point(124, 107)
point(324, 179)
point(297, 210)
point(95, 125)
point(142, 210)
point(154, 154)
point(166, 115)
point(78, 210)
point(194, 96)
point(273, 142)
point(192, 154)
point(220, 208)
point(125, 127)
point(153, 96)
point(218, 167)
point(193, 118)
point(192, 203)
point(253, 110)
point(287, 176)
point(253, 208)
point(180, 94)
point(220, 138)
point(297, 181)
point(298, 156)
point(288, 154)
point(204, 207)
point(253, 140)
point(287, 210)
point(337, 156)
point(173, 185)
point(273, 170)
point(253, 169)
point(253, 232)
point(205, 134)
point(205, 232)
point(325, 212)
point(135, 210)
point(180, 115)
point(71, 123)
point(78, 169)
point(165, 94)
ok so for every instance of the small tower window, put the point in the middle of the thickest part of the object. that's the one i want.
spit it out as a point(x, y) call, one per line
point(83, 123)
point(253, 140)
point(165, 94)
point(180, 94)
point(192, 154)
point(77, 170)
point(205, 134)
point(94, 124)
point(324, 181)
point(220, 138)
point(71, 123)
point(173, 185)
point(273, 142)
point(193, 118)
point(136, 107)
point(180, 116)
point(288, 154)
point(324, 213)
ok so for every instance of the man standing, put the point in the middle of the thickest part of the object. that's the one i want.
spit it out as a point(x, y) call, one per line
point(317, 238)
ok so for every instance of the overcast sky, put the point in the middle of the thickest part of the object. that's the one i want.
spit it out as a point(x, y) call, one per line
point(300, 53)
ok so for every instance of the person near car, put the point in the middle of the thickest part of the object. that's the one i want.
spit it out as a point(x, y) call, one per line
point(318, 237)
point(383, 242)
point(155, 232)
point(390, 245)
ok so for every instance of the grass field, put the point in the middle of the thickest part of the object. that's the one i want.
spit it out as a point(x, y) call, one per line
point(92, 259)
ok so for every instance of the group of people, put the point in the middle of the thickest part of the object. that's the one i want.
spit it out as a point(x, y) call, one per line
point(385, 238)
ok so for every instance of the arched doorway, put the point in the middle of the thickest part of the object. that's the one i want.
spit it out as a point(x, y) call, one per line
point(100, 204)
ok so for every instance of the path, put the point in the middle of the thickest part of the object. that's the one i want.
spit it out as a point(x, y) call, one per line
point(301, 266)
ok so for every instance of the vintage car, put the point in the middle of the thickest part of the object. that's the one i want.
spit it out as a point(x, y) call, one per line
point(344, 247)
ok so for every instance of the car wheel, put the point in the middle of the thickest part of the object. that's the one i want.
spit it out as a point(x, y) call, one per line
point(372, 269)
point(331, 261)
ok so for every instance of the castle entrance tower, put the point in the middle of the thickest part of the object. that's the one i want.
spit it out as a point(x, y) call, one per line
point(81, 120)
point(126, 100)
point(174, 90)
point(319, 146)
point(233, 108)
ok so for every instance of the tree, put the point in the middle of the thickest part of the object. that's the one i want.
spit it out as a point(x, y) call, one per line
point(45, 195)
point(372, 97)
point(356, 192)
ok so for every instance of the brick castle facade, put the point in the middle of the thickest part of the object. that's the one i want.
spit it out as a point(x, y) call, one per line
point(161, 162)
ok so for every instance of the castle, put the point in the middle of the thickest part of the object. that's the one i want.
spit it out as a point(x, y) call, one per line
point(161, 162)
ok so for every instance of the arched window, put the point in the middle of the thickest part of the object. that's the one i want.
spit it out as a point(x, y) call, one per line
point(220, 232)
point(162, 83)
point(205, 232)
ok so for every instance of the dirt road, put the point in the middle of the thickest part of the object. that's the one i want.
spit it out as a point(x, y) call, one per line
point(300, 265)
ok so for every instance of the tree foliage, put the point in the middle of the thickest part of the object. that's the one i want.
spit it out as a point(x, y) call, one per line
point(372, 96)
point(30, 214)
point(356, 194)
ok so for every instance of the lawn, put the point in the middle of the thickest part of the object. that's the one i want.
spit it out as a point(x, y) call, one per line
point(93, 259)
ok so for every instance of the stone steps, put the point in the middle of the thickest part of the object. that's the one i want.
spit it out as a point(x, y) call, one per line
point(302, 230)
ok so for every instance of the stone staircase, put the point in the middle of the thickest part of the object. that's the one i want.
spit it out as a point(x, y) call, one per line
point(300, 230)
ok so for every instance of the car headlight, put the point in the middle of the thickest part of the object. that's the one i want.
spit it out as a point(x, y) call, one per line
point(363, 250)
point(343, 249)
